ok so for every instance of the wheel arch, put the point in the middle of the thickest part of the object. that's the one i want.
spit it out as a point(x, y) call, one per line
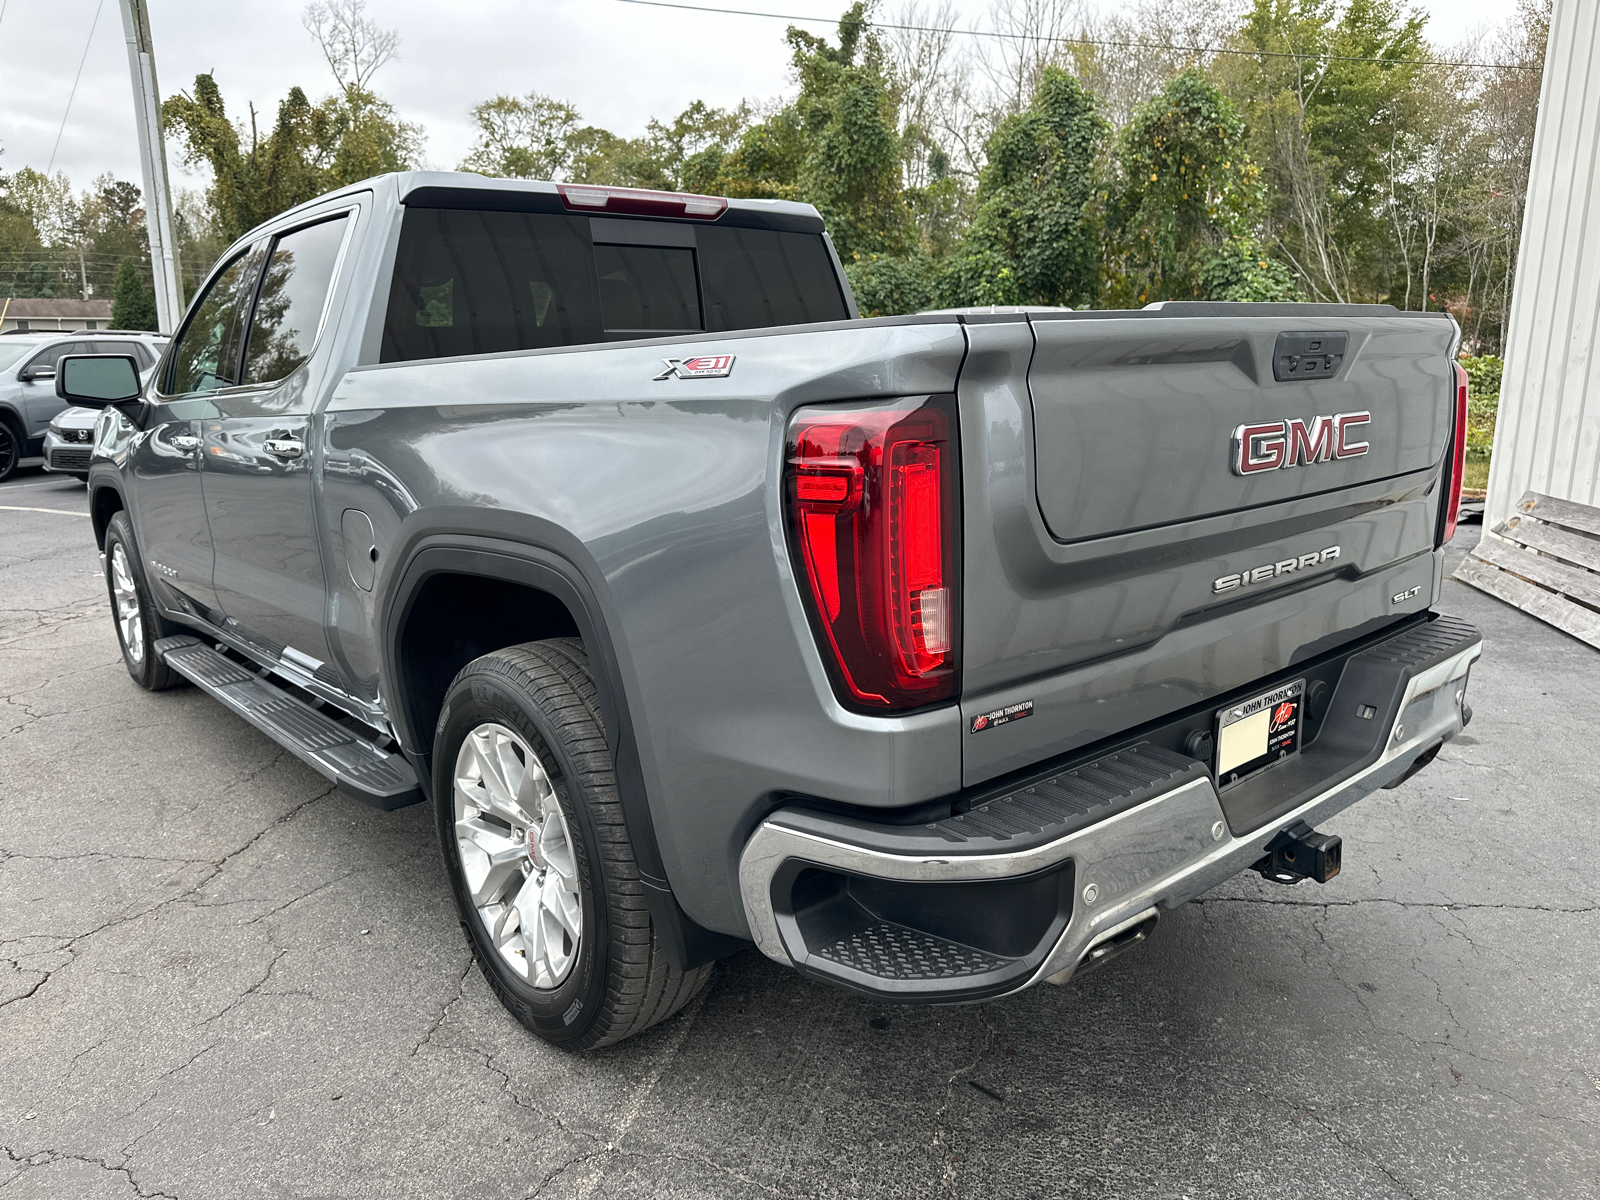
point(12, 418)
point(105, 501)
point(516, 550)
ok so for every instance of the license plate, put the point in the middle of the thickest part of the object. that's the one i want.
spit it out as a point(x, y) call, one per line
point(1259, 732)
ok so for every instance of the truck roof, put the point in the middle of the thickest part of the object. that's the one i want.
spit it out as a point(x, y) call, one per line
point(464, 189)
point(467, 189)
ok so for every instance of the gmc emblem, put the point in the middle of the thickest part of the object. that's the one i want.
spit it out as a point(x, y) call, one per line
point(1279, 445)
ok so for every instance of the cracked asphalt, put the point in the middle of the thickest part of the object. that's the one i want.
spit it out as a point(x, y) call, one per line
point(220, 979)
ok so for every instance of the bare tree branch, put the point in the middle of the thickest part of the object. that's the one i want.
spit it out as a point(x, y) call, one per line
point(354, 46)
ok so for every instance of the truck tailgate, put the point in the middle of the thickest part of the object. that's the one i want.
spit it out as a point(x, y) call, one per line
point(1134, 418)
point(1118, 565)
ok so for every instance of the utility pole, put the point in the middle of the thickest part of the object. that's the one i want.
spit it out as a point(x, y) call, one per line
point(153, 160)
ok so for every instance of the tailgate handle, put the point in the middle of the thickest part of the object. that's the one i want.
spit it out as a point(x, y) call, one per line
point(1305, 357)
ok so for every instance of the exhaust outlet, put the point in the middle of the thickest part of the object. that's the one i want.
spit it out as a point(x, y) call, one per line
point(1110, 944)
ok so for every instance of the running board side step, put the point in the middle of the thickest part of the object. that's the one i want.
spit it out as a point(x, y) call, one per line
point(358, 768)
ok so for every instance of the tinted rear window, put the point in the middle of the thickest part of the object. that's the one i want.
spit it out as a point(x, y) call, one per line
point(469, 282)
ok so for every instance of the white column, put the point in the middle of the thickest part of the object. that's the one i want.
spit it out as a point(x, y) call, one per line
point(1547, 435)
point(153, 160)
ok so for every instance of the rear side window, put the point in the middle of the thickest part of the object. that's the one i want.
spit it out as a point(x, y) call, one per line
point(294, 293)
point(757, 278)
point(470, 282)
point(141, 352)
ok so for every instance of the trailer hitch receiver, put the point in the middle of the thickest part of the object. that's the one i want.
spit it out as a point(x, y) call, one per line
point(1298, 853)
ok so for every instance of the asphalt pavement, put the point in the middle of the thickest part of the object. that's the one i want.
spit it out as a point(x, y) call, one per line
point(218, 978)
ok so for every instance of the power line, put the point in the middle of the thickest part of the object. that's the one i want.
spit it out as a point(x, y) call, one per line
point(1069, 41)
point(86, 43)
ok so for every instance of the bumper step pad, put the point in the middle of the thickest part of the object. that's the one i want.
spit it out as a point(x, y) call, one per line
point(360, 769)
point(1017, 817)
point(888, 951)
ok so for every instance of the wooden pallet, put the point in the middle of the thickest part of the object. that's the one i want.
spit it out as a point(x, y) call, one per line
point(1544, 560)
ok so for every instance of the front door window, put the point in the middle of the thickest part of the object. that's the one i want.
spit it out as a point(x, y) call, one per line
point(208, 351)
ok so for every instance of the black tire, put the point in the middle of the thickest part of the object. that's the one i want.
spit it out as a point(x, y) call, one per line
point(620, 981)
point(11, 448)
point(146, 667)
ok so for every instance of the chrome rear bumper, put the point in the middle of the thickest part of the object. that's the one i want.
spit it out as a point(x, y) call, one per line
point(1134, 863)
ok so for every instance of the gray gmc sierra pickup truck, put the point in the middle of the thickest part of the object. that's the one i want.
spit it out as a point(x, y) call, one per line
point(934, 655)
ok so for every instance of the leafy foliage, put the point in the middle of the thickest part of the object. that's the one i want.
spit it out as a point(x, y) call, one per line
point(133, 303)
point(886, 285)
point(1034, 238)
point(523, 137)
point(837, 146)
point(310, 150)
point(1327, 130)
point(536, 137)
point(1185, 203)
point(1483, 403)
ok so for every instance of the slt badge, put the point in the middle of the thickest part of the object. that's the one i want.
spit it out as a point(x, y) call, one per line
point(706, 366)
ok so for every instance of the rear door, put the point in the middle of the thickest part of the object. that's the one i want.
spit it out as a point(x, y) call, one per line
point(1168, 511)
point(258, 456)
point(39, 401)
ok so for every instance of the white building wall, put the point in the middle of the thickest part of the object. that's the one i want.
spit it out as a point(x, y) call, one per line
point(1547, 434)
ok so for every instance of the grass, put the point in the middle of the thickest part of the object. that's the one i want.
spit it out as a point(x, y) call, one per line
point(1477, 474)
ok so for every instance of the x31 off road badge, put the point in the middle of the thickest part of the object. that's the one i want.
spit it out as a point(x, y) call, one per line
point(706, 366)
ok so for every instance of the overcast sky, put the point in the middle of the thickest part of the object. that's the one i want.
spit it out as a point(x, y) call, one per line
point(620, 64)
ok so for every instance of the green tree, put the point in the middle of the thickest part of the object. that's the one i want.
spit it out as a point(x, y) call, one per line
point(1183, 208)
point(837, 146)
point(311, 149)
point(700, 135)
point(537, 137)
point(523, 137)
point(113, 229)
point(1326, 91)
point(765, 163)
point(27, 267)
point(1034, 236)
point(886, 285)
point(133, 304)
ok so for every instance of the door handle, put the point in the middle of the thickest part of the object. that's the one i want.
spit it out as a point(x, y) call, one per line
point(184, 441)
point(285, 447)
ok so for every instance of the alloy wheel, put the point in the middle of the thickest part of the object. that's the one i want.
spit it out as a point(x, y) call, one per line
point(517, 855)
point(126, 597)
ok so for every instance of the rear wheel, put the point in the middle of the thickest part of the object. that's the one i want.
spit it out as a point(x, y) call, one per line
point(10, 449)
point(133, 613)
point(538, 854)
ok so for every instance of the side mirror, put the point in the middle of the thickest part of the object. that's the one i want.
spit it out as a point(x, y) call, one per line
point(97, 380)
point(34, 374)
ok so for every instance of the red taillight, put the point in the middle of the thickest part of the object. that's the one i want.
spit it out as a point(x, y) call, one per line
point(872, 496)
point(1458, 457)
point(640, 202)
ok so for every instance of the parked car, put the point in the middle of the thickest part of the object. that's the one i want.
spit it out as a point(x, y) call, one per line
point(936, 656)
point(28, 401)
